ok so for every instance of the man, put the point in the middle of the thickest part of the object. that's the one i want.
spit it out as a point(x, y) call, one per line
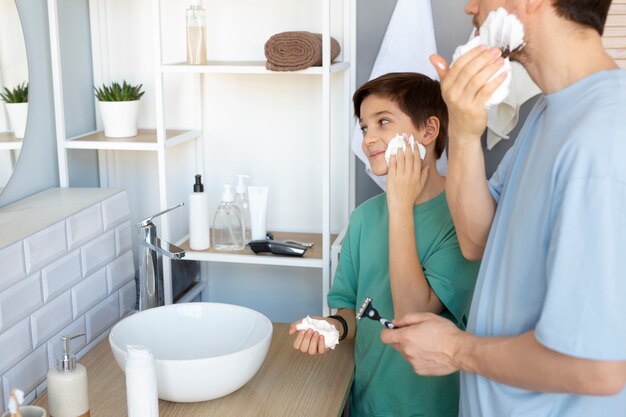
point(546, 332)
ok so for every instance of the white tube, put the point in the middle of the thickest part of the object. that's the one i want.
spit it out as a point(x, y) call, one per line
point(141, 382)
point(258, 211)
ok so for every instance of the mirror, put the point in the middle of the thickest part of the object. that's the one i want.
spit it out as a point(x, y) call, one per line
point(13, 100)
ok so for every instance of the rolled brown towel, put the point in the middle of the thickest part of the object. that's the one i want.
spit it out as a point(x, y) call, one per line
point(293, 51)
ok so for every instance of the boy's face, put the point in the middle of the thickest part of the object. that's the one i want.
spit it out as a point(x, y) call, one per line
point(381, 119)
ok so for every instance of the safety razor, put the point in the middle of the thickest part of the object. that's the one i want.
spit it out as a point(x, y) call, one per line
point(368, 310)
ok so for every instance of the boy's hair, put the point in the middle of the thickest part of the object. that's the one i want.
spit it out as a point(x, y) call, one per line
point(591, 13)
point(417, 95)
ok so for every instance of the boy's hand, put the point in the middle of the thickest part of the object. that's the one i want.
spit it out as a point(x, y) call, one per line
point(465, 88)
point(406, 178)
point(309, 341)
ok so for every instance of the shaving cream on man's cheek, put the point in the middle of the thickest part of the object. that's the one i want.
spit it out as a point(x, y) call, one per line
point(397, 142)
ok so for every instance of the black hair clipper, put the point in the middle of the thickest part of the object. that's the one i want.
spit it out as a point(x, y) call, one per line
point(368, 310)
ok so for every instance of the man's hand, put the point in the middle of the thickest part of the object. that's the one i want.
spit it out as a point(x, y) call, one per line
point(405, 179)
point(465, 88)
point(427, 341)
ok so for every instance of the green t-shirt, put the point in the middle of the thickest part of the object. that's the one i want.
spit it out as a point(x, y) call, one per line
point(384, 382)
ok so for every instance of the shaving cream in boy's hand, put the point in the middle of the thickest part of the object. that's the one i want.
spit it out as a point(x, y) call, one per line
point(397, 142)
point(502, 30)
point(330, 332)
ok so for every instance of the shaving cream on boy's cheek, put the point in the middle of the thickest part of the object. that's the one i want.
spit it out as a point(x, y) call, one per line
point(397, 142)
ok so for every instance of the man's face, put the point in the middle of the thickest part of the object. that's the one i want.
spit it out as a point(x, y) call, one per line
point(381, 120)
point(479, 9)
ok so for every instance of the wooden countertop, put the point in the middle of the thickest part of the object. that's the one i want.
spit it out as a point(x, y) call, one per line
point(289, 383)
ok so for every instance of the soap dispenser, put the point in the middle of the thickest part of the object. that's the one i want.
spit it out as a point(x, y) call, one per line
point(227, 224)
point(199, 228)
point(241, 200)
point(67, 385)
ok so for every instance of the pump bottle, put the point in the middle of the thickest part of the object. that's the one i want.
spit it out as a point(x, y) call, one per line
point(196, 33)
point(227, 223)
point(199, 228)
point(67, 385)
point(241, 200)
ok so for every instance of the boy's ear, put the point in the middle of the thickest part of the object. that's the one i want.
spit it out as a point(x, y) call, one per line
point(431, 130)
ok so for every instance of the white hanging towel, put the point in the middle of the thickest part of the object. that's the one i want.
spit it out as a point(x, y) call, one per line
point(503, 118)
point(408, 43)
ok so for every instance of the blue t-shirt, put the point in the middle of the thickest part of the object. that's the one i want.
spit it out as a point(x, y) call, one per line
point(555, 260)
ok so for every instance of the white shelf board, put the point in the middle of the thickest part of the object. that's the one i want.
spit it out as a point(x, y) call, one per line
point(146, 140)
point(311, 259)
point(246, 67)
point(253, 259)
point(8, 141)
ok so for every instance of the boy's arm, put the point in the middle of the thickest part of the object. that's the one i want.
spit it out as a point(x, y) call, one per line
point(410, 289)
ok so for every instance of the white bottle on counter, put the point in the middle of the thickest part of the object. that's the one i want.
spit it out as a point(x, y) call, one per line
point(241, 200)
point(141, 384)
point(199, 227)
point(67, 385)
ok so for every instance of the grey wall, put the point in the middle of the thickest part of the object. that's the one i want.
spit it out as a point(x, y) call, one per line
point(37, 168)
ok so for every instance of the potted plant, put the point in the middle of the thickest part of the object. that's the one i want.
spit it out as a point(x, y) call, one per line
point(16, 102)
point(119, 107)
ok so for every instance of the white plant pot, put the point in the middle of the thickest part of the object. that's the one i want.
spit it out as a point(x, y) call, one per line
point(119, 118)
point(18, 113)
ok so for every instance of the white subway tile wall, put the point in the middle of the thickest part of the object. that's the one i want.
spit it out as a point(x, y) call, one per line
point(27, 373)
point(89, 292)
point(45, 246)
point(61, 275)
point(46, 292)
point(98, 252)
point(18, 339)
point(51, 318)
point(20, 300)
point(12, 265)
point(123, 238)
point(84, 226)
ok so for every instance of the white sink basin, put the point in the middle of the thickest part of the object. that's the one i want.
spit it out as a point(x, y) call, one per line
point(202, 350)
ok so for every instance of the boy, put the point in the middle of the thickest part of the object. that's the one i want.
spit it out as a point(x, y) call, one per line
point(401, 250)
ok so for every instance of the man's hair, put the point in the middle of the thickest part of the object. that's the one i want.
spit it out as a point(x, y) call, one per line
point(590, 13)
point(417, 95)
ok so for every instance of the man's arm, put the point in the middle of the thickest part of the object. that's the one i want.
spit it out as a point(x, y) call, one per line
point(465, 88)
point(434, 346)
point(472, 206)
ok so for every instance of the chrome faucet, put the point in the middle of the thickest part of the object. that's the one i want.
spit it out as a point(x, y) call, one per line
point(150, 264)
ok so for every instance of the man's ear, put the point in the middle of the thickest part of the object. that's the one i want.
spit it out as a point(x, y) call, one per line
point(431, 131)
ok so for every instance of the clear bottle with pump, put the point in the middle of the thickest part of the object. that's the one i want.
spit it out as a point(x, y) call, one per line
point(241, 200)
point(227, 224)
point(67, 385)
point(196, 33)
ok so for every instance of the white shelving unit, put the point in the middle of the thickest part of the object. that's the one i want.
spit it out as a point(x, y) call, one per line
point(161, 139)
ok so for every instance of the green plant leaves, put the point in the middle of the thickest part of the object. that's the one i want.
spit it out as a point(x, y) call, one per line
point(117, 92)
point(18, 94)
